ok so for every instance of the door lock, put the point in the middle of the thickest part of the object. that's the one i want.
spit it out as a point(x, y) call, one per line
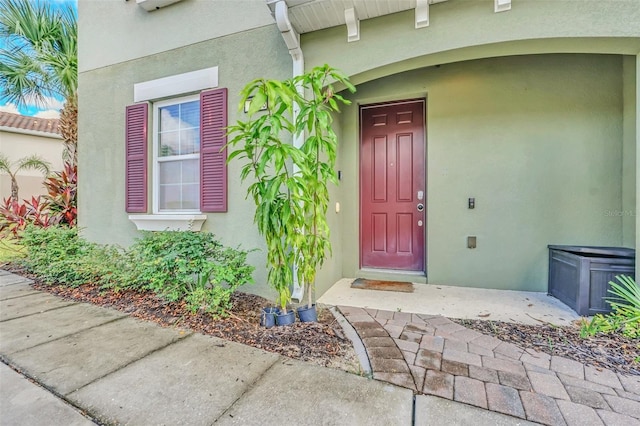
point(420, 207)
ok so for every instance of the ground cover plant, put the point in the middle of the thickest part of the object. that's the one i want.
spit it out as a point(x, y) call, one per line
point(322, 342)
point(625, 315)
point(187, 280)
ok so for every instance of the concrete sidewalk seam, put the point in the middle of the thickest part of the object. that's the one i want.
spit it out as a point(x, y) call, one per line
point(35, 381)
point(250, 387)
point(63, 336)
point(39, 312)
point(179, 339)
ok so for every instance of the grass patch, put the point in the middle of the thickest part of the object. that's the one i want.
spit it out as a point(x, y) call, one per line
point(10, 250)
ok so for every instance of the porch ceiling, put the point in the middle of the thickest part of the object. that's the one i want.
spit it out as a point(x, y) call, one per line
point(313, 15)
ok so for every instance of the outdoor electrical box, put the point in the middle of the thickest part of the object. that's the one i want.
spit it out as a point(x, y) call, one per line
point(579, 275)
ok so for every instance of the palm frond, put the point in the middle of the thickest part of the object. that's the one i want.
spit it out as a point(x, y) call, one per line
point(33, 162)
point(40, 59)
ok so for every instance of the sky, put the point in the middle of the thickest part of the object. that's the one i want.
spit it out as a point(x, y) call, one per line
point(52, 107)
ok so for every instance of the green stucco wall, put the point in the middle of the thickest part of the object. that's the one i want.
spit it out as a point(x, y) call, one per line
point(537, 140)
point(629, 152)
point(469, 29)
point(523, 113)
point(103, 96)
point(111, 31)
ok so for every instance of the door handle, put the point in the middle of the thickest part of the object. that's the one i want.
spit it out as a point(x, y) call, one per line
point(420, 207)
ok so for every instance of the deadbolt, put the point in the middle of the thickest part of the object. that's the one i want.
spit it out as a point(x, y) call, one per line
point(420, 207)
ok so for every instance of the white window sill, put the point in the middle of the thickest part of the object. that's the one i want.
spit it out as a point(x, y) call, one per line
point(168, 222)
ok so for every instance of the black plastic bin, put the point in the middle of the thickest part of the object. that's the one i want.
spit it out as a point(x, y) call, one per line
point(579, 275)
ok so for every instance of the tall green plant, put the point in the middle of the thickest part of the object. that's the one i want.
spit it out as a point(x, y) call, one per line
point(290, 183)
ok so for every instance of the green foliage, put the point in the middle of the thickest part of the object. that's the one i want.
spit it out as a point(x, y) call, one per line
point(290, 183)
point(61, 200)
point(57, 207)
point(193, 266)
point(39, 57)
point(57, 255)
point(190, 266)
point(31, 162)
point(11, 250)
point(624, 318)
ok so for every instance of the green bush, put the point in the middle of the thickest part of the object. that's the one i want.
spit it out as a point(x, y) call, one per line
point(188, 265)
point(625, 316)
point(59, 256)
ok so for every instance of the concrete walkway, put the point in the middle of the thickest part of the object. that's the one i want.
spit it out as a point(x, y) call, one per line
point(68, 363)
point(432, 355)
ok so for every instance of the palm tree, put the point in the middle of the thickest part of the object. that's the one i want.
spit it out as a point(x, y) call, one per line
point(40, 59)
point(32, 162)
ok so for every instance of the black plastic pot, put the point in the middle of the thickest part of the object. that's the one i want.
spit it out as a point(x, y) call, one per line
point(268, 316)
point(286, 319)
point(307, 314)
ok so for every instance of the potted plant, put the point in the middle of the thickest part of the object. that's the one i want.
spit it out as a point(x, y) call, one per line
point(289, 183)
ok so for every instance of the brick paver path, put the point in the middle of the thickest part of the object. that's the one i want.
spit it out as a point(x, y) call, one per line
point(433, 355)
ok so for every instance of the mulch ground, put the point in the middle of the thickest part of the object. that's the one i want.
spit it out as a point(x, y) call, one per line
point(320, 342)
point(323, 342)
point(612, 351)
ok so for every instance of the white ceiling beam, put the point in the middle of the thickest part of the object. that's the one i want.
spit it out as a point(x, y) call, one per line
point(353, 24)
point(501, 5)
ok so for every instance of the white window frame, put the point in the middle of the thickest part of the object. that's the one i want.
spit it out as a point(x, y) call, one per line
point(156, 158)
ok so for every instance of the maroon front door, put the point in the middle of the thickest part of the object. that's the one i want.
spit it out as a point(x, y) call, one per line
point(392, 186)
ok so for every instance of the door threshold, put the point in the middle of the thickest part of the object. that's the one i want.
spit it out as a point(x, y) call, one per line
point(418, 277)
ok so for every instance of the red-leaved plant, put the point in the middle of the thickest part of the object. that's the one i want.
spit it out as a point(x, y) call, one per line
point(15, 216)
point(57, 207)
point(62, 189)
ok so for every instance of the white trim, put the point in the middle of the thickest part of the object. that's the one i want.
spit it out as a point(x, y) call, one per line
point(501, 5)
point(422, 13)
point(156, 159)
point(353, 24)
point(175, 85)
point(168, 222)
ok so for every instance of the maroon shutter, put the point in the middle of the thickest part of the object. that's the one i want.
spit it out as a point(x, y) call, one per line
point(136, 158)
point(213, 154)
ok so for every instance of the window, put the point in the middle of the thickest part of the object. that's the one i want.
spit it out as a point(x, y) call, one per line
point(189, 158)
point(177, 155)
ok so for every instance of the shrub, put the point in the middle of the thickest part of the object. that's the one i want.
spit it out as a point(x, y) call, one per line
point(61, 197)
point(55, 253)
point(187, 265)
point(624, 318)
point(59, 256)
point(15, 216)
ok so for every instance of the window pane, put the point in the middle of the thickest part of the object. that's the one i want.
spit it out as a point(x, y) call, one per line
point(170, 197)
point(169, 117)
point(179, 185)
point(191, 196)
point(170, 172)
point(191, 171)
point(190, 114)
point(189, 141)
point(168, 144)
point(178, 134)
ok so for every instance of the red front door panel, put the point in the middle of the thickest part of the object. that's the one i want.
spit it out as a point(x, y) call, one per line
point(392, 177)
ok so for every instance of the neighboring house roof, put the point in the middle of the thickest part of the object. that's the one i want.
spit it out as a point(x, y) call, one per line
point(30, 125)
